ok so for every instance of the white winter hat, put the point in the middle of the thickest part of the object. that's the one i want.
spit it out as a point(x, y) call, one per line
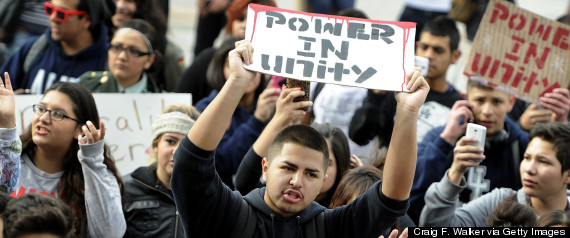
point(173, 122)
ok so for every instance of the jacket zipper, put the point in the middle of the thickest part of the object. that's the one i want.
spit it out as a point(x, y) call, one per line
point(176, 226)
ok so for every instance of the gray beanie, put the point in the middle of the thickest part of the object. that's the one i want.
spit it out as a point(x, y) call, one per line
point(173, 122)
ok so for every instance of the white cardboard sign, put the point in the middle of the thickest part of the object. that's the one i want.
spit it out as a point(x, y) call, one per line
point(127, 117)
point(330, 49)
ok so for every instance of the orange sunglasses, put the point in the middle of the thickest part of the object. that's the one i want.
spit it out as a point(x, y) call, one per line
point(60, 13)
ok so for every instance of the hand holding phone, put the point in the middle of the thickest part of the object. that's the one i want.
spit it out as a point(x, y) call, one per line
point(422, 63)
point(478, 132)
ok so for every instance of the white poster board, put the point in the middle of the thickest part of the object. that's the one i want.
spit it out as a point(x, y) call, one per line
point(128, 118)
point(330, 49)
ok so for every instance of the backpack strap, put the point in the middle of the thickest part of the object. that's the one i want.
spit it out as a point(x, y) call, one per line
point(316, 227)
point(246, 223)
point(37, 48)
point(318, 90)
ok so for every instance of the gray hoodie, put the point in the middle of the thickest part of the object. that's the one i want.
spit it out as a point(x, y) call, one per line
point(443, 208)
point(102, 194)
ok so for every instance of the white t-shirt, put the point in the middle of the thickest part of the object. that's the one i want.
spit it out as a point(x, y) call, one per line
point(335, 105)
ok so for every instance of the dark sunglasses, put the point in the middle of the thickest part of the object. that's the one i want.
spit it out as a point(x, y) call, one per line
point(60, 13)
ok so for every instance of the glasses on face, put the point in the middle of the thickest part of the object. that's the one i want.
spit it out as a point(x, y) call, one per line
point(55, 115)
point(130, 52)
point(60, 13)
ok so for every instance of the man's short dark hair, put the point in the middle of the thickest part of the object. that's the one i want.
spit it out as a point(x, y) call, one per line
point(559, 135)
point(444, 26)
point(98, 10)
point(352, 12)
point(36, 213)
point(301, 135)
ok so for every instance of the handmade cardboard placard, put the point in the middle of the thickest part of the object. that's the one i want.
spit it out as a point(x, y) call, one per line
point(520, 52)
point(127, 117)
point(330, 49)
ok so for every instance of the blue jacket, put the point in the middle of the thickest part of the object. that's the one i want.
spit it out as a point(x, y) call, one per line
point(54, 65)
point(242, 133)
point(499, 169)
point(208, 208)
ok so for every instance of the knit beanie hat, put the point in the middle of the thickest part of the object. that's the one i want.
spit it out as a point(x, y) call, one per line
point(173, 122)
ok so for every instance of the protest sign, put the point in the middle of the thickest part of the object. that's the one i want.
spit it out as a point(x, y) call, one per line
point(127, 117)
point(520, 52)
point(330, 49)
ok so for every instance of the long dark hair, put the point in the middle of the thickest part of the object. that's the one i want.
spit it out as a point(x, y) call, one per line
point(149, 11)
point(71, 187)
point(215, 74)
point(355, 182)
point(340, 150)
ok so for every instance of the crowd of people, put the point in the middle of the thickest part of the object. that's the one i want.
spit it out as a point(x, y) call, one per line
point(247, 159)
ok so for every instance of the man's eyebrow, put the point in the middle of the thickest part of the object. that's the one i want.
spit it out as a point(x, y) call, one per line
point(439, 47)
point(499, 98)
point(306, 169)
point(290, 164)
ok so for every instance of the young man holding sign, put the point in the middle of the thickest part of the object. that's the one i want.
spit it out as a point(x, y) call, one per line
point(294, 171)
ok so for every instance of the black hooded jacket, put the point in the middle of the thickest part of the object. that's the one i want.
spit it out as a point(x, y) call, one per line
point(208, 208)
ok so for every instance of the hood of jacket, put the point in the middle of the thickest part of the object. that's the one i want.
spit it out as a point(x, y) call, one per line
point(515, 132)
point(255, 199)
point(99, 47)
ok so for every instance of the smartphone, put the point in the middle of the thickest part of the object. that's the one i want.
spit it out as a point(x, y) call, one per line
point(422, 63)
point(277, 82)
point(478, 132)
point(304, 85)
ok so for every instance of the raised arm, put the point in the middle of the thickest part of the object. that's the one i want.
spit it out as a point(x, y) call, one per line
point(558, 101)
point(7, 104)
point(10, 145)
point(287, 111)
point(102, 193)
point(194, 159)
point(212, 123)
point(402, 152)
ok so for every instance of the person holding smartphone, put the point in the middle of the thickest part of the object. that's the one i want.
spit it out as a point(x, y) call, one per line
point(545, 175)
point(445, 149)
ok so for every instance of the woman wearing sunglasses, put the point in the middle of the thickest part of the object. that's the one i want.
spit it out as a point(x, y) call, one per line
point(62, 154)
point(131, 53)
